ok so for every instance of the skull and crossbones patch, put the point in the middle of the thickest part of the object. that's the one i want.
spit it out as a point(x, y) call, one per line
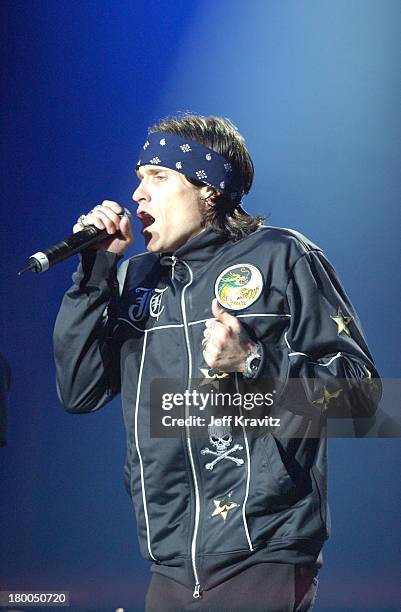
point(221, 439)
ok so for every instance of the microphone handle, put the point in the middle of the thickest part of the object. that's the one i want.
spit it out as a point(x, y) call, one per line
point(43, 260)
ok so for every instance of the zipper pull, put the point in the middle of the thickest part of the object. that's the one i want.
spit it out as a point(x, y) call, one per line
point(173, 262)
point(196, 594)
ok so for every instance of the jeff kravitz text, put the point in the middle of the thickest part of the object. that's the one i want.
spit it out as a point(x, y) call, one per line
point(225, 421)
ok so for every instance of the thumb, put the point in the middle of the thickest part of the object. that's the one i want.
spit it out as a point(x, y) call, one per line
point(223, 316)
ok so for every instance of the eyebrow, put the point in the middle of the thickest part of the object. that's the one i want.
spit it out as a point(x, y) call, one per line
point(149, 171)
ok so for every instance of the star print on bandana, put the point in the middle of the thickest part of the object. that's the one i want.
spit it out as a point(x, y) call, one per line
point(342, 322)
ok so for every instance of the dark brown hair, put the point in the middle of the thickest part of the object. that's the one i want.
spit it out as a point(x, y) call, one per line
point(222, 136)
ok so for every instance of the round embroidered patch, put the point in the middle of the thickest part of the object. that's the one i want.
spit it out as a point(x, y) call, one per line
point(238, 286)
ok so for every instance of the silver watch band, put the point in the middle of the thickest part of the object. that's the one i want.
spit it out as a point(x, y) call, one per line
point(253, 361)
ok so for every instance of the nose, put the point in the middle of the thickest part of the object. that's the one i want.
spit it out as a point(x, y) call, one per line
point(140, 194)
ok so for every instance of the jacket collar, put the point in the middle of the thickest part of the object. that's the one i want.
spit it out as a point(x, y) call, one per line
point(201, 248)
point(197, 252)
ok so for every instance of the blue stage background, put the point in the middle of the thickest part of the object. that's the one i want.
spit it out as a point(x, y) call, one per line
point(314, 87)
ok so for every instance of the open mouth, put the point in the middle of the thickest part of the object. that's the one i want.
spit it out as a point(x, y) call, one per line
point(147, 220)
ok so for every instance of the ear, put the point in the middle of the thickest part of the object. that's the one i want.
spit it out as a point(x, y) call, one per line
point(207, 192)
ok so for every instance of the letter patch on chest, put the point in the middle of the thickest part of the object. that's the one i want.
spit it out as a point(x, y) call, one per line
point(238, 286)
point(148, 301)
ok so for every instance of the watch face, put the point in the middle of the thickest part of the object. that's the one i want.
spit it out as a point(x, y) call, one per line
point(254, 363)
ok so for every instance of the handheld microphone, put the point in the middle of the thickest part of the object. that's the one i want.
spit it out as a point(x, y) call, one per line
point(43, 260)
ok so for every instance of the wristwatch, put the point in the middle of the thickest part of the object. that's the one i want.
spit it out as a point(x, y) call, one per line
point(253, 361)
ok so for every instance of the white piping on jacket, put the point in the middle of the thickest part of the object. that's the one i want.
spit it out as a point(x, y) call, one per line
point(248, 474)
point(196, 488)
point(145, 509)
point(263, 315)
point(289, 347)
point(329, 362)
point(242, 316)
point(293, 353)
point(197, 322)
point(151, 328)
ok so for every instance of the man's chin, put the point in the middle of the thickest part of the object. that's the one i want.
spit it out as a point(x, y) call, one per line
point(151, 243)
point(155, 244)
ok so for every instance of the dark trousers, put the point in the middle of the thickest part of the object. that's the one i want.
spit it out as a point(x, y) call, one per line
point(264, 587)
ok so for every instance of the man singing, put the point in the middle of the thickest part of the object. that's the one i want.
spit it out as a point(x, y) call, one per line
point(232, 519)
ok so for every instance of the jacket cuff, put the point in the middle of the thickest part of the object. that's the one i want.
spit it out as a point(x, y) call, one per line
point(96, 266)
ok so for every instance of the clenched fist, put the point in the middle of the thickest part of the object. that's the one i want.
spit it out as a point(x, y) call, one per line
point(226, 343)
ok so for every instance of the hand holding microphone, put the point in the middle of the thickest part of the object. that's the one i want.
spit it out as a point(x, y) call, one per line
point(107, 227)
point(112, 218)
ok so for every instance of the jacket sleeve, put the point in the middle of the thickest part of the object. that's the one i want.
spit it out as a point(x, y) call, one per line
point(85, 349)
point(324, 348)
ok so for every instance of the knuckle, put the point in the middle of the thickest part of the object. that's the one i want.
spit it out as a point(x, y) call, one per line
point(105, 220)
point(114, 206)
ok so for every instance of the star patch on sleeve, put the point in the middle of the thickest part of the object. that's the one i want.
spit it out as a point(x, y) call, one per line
point(324, 401)
point(342, 322)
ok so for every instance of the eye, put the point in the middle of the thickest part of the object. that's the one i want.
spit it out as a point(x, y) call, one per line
point(161, 177)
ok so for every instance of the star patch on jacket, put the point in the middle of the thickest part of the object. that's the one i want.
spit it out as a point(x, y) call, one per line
point(324, 401)
point(341, 322)
point(212, 377)
point(223, 506)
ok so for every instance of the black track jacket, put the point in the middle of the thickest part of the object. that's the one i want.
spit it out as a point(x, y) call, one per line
point(207, 505)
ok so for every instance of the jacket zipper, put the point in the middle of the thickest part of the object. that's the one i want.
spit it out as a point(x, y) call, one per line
point(173, 262)
point(196, 594)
